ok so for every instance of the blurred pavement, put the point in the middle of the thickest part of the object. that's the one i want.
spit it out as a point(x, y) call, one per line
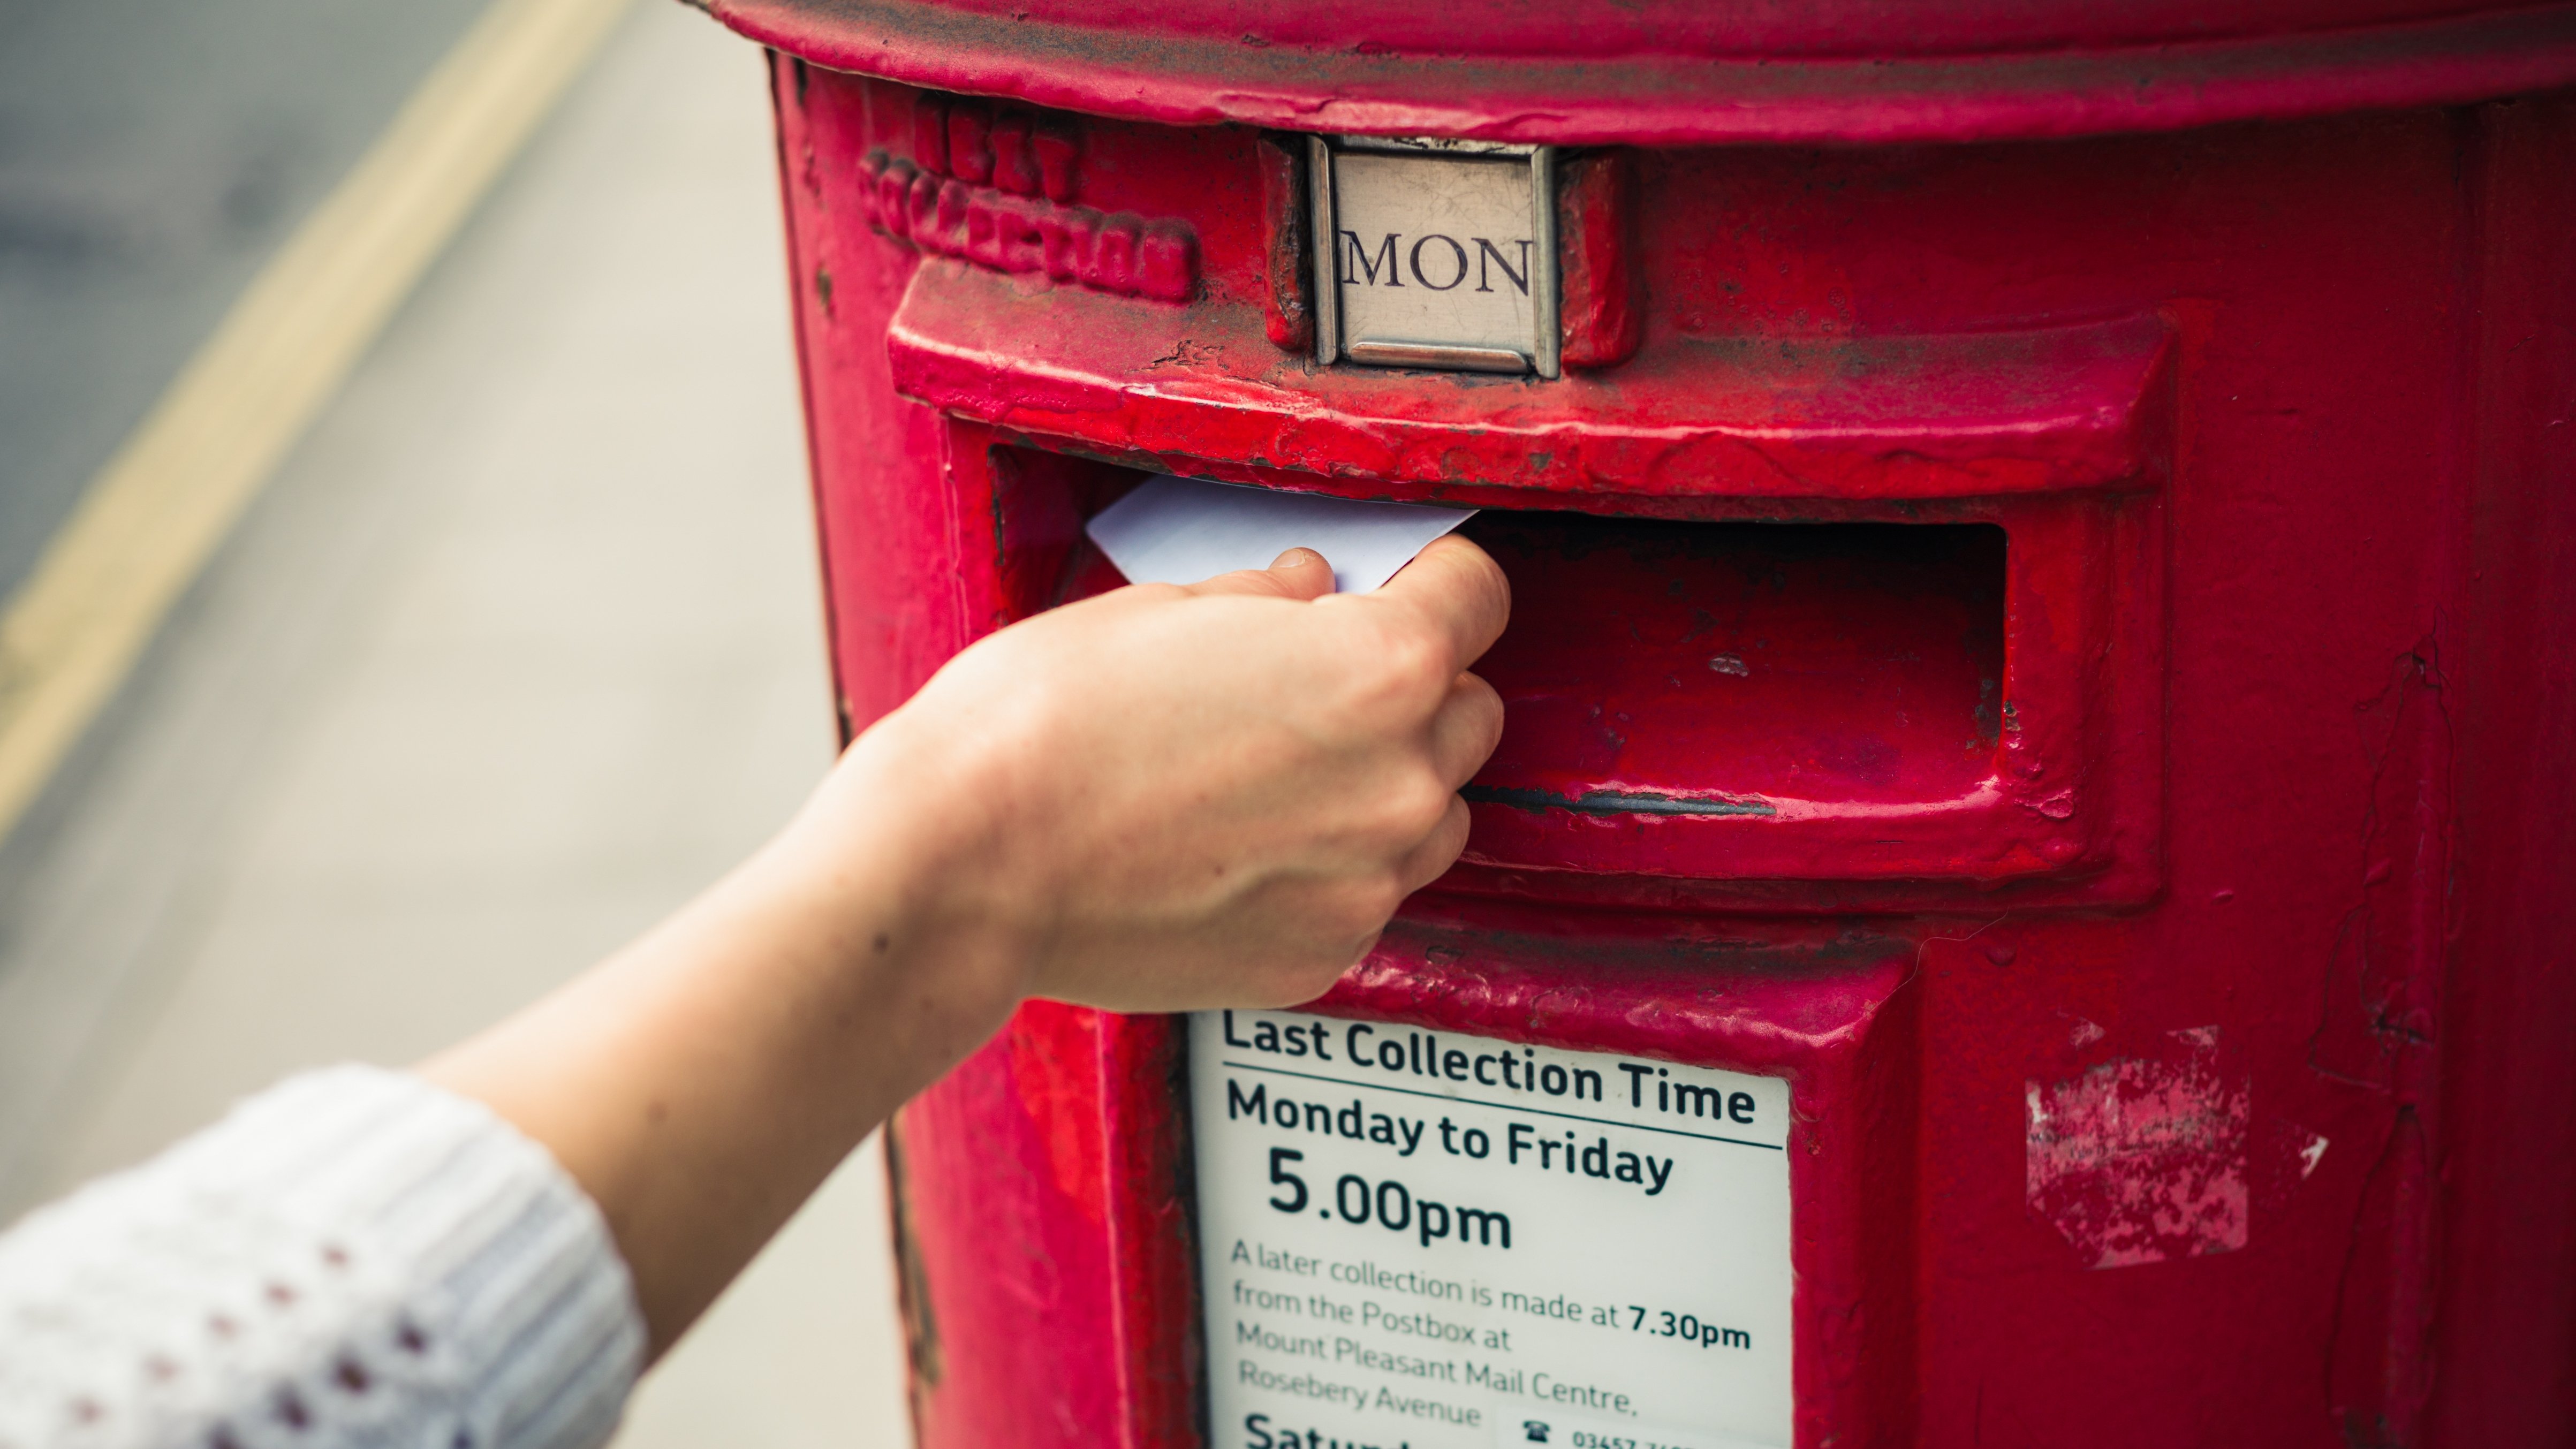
point(152, 156)
point(520, 649)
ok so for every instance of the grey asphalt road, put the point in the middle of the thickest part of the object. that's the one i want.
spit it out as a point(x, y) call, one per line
point(152, 155)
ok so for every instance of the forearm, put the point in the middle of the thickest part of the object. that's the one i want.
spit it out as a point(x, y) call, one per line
point(702, 1082)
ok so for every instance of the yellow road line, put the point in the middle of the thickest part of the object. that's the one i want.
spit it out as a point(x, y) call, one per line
point(157, 510)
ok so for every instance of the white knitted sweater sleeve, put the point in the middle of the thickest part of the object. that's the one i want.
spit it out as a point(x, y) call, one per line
point(353, 1257)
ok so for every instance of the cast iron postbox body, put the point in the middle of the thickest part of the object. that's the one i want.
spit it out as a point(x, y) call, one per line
point(2039, 537)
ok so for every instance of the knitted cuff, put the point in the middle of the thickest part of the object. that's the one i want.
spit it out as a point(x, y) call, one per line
point(353, 1257)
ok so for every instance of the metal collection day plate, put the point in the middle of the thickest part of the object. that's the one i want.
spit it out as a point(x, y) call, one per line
point(1427, 1240)
point(1438, 255)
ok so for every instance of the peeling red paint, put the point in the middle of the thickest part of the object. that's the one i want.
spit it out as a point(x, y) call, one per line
point(2139, 1161)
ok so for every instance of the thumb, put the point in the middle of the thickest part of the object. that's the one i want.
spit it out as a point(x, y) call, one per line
point(1300, 573)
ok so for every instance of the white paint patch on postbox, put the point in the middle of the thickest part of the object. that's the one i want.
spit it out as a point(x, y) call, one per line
point(1421, 1239)
point(1436, 251)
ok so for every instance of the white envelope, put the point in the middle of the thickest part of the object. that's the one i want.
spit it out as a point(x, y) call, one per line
point(1181, 530)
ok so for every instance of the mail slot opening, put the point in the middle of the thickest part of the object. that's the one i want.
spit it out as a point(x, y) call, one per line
point(1664, 668)
point(1707, 669)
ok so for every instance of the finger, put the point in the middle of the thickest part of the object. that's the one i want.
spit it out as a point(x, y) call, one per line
point(1461, 591)
point(1466, 729)
point(1438, 851)
point(1300, 573)
point(1304, 571)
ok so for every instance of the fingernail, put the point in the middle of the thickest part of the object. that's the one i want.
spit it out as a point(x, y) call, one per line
point(1296, 558)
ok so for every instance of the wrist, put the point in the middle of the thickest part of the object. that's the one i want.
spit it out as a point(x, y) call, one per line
point(898, 861)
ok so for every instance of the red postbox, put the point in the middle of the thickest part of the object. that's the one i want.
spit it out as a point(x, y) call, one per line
point(2039, 705)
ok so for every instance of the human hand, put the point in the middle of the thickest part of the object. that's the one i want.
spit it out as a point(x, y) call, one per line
point(1175, 797)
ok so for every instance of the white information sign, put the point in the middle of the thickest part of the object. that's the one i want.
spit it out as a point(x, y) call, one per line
point(1428, 1240)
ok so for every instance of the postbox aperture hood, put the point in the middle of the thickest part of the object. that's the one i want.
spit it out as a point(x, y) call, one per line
point(1679, 72)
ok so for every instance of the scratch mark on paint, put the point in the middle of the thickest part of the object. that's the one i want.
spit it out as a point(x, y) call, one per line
point(2372, 1010)
point(2141, 1160)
